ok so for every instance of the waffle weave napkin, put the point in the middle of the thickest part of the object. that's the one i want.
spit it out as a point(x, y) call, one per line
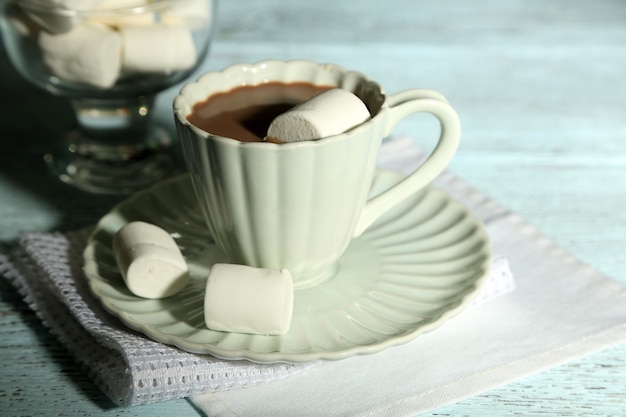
point(128, 367)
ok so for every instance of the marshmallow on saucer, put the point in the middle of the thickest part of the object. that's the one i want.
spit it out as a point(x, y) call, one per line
point(244, 299)
point(149, 260)
point(157, 48)
point(326, 114)
point(89, 54)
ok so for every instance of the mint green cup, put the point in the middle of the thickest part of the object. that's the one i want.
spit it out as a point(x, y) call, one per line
point(298, 205)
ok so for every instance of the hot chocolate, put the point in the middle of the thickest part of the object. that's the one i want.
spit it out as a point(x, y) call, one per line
point(245, 113)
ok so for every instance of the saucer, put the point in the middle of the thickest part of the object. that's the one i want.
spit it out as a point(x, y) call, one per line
point(411, 271)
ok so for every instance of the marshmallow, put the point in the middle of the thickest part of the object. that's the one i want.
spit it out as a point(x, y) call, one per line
point(56, 21)
point(54, 24)
point(326, 114)
point(20, 22)
point(116, 4)
point(244, 299)
point(195, 14)
point(72, 4)
point(149, 260)
point(89, 54)
point(157, 48)
point(118, 19)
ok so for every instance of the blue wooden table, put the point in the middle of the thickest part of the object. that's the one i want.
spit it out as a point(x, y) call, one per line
point(541, 90)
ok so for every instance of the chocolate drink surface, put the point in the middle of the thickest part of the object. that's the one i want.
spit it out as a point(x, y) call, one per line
point(246, 112)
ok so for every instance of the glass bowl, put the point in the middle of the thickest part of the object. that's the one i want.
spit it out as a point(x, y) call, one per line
point(110, 58)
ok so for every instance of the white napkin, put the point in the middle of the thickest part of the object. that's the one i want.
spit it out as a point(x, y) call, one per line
point(560, 310)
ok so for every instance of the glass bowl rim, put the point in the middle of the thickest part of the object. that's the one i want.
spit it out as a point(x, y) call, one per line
point(39, 6)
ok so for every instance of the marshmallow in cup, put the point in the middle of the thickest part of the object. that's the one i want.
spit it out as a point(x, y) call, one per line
point(327, 114)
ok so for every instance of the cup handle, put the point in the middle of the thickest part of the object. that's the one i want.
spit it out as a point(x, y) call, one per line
point(400, 106)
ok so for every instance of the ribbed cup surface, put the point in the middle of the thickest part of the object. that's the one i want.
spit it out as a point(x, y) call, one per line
point(293, 205)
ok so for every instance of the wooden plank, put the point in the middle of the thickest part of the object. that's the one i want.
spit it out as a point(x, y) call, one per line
point(541, 92)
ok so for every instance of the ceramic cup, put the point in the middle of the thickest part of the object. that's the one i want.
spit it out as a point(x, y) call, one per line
point(298, 205)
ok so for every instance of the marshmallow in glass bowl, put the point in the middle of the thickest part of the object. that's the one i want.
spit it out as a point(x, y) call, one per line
point(110, 58)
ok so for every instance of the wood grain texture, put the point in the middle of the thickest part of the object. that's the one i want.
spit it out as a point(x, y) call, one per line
point(541, 90)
